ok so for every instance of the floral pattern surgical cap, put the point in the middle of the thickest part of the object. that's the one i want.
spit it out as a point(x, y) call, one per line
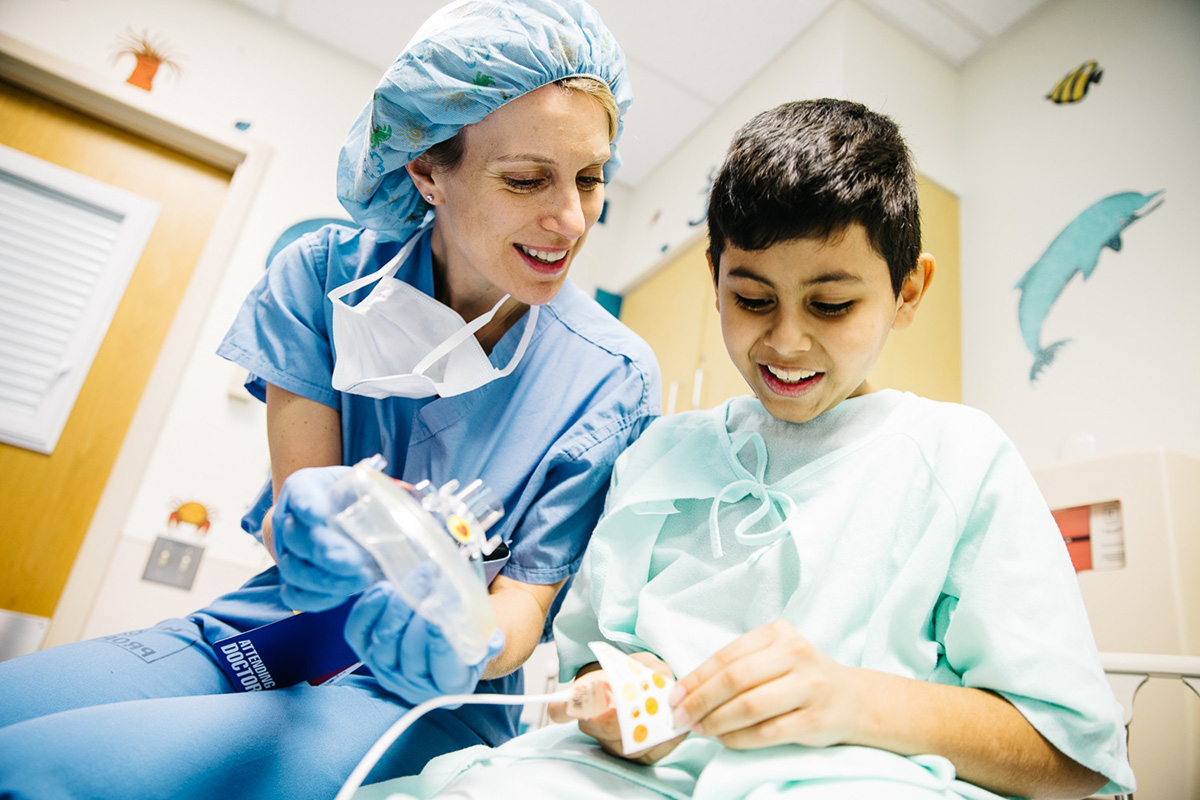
point(467, 60)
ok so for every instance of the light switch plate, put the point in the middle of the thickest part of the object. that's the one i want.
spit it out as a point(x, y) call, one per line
point(173, 562)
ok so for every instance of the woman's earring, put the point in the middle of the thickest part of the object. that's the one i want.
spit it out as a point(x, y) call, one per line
point(429, 197)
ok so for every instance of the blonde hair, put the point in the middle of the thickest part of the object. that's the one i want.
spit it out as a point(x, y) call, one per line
point(600, 92)
point(447, 154)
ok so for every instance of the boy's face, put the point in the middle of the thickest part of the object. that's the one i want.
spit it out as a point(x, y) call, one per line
point(805, 320)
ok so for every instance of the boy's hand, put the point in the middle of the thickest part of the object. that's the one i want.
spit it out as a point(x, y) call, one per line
point(768, 687)
point(599, 719)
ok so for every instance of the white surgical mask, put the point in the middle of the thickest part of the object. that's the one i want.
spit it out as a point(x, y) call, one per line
point(400, 342)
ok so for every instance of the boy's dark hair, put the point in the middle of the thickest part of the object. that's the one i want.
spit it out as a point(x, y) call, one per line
point(811, 168)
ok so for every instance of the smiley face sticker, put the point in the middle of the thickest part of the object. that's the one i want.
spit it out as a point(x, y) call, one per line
point(644, 714)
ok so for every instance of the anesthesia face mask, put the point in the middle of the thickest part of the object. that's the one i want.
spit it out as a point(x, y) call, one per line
point(429, 542)
point(639, 695)
point(440, 531)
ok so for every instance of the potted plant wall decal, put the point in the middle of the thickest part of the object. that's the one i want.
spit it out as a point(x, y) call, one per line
point(149, 55)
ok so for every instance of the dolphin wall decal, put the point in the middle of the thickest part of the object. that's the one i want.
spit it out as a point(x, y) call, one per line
point(1076, 249)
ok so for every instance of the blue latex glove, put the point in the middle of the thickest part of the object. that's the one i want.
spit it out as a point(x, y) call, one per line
point(407, 654)
point(320, 565)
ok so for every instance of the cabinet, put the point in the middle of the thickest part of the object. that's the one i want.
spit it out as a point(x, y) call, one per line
point(1148, 599)
point(675, 311)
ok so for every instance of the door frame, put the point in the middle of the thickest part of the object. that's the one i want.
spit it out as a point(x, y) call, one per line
point(140, 113)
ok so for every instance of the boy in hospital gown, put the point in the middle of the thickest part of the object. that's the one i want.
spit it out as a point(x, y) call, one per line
point(862, 591)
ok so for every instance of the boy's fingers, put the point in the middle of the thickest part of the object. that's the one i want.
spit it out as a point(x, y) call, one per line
point(785, 728)
point(756, 658)
point(587, 690)
point(732, 691)
point(558, 712)
point(740, 648)
point(659, 751)
point(755, 706)
point(603, 729)
point(589, 697)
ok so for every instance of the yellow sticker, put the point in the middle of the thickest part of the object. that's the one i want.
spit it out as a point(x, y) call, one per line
point(641, 697)
point(458, 528)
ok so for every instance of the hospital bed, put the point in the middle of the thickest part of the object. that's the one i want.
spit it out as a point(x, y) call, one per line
point(1138, 563)
point(1128, 672)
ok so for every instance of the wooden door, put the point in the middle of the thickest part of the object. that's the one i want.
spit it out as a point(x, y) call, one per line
point(47, 501)
point(668, 312)
point(926, 357)
point(675, 312)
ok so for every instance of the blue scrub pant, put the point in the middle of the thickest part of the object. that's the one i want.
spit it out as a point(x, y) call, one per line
point(150, 714)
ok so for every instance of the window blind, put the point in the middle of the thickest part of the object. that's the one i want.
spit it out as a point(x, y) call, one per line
point(68, 246)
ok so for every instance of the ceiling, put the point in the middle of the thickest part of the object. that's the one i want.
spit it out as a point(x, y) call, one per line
point(665, 41)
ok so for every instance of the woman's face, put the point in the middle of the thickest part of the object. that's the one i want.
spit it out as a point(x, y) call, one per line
point(516, 209)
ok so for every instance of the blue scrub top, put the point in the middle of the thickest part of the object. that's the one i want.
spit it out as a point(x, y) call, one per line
point(544, 438)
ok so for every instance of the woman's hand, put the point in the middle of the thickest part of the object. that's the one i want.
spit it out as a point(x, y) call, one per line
point(320, 565)
point(600, 720)
point(408, 654)
point(768, 687)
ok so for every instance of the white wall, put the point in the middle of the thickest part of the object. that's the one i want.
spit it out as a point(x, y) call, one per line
point(848, 52)
point(300, 98)
point(1023, 168)
point(1131, 376)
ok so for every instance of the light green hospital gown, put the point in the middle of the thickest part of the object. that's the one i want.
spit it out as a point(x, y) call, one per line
point(895, 533)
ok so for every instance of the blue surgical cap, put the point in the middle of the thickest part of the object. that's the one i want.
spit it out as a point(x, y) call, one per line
point(467, 60)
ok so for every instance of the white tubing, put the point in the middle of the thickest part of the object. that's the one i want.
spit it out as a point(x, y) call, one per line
point(359, 774)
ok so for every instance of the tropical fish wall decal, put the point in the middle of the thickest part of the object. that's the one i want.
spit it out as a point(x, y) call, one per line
point(1074, 85)
point(1075, 250)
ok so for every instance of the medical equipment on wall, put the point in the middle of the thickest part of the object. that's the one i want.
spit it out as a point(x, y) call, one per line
point(639, 695)
point(429, 542)
point(1132, 522)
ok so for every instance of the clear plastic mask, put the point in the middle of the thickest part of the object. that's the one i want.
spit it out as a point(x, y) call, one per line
point(429, 542)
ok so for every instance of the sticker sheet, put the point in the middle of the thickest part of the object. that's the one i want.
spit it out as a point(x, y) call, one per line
point(640, 696)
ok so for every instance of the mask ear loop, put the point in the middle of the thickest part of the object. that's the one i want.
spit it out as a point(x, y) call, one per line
point(457, 338)
point(526, 335)
point(444, 349)
point(387, 270)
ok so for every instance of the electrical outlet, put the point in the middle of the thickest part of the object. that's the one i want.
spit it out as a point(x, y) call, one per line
point(173, 563)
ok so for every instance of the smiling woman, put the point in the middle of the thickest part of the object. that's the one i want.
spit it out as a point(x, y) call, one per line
point(515, 206)
point(441, 334)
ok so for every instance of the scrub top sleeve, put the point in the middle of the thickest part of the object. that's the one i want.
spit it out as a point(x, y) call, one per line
point(578, 622)
point(281, 333)
point(551, 538)
point(550, 541)
point(1012, 619)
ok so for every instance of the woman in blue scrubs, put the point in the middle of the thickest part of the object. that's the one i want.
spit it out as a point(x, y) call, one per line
point(441, 334)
